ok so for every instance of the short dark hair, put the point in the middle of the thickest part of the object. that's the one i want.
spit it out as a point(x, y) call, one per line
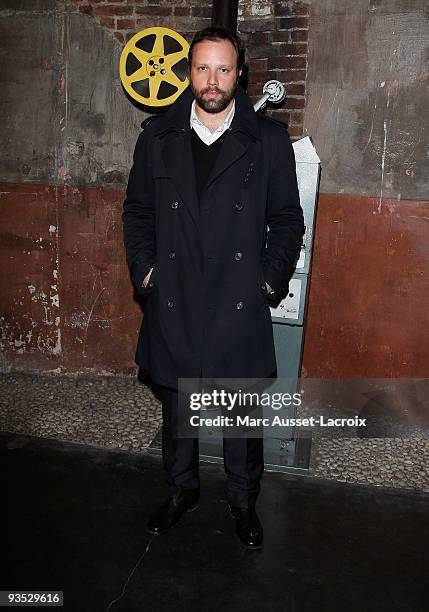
point(218, 33)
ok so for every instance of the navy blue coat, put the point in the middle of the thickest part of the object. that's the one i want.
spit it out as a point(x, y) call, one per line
point(206, 312)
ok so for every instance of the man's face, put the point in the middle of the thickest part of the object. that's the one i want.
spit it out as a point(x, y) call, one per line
point(214, 74)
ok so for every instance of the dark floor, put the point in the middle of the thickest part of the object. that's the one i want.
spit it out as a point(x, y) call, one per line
point(76, 524)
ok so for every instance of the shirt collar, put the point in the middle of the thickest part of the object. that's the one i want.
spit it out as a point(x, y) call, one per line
point(225, 125)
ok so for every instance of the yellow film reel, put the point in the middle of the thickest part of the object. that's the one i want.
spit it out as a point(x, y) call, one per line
point(153, 66)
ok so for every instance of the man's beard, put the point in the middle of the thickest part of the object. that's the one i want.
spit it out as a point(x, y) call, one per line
point(216, 105)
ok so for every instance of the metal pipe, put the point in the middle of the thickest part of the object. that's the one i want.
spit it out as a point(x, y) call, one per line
point(224, 14)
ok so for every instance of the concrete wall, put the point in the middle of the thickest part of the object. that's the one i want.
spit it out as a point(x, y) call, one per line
point(367, 114)
point(367, 104)
point(69, 132)
point(68, 136)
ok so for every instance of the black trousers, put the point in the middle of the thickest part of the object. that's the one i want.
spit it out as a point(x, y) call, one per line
point(243, 458)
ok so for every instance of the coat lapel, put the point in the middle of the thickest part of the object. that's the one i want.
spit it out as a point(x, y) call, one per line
point(177, 149)
point(231, 151)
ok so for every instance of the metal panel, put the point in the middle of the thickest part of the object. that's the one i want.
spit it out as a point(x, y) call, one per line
point(291, 309)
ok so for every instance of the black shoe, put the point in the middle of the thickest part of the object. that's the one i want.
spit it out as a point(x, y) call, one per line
point(172, 509)
point(248, 527)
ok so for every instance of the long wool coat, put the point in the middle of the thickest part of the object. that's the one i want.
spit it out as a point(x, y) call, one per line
point(206, 313)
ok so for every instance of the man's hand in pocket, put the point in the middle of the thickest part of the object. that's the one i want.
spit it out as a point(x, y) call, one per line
point(146, 278)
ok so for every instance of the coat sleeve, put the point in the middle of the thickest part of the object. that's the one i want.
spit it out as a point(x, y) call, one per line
point(285, 217)
point(138, 215)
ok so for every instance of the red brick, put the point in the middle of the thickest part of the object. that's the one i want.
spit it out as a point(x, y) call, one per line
point(107, 22)
point(296, 117)
point(281, 36)
point(255, 38)
point(288, 23)
point(289, 76)
point(189, 24)
point(296, 89)
point(295, 103)
point(257, 64)
point(125, 24)
point(157, 11)
point(145, 22)
point(202, 11)
point(87, 9)
point(259, 76)
point(148, 21)
point(257, 25)
point(109, 10)
point(291, 48)
point(260, 51)
point(299, 35)
point(283, 61)
point(182, 10)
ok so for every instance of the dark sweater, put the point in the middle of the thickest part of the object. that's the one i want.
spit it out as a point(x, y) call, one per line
point(204, 158)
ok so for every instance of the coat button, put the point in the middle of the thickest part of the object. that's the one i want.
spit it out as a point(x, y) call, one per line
point(174, 204)
point(172, 254)
point(239, 206)
point(238, 256)
point(170, 303)
point(240, 305)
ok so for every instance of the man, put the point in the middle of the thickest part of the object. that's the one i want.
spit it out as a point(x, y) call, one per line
point(208, 177)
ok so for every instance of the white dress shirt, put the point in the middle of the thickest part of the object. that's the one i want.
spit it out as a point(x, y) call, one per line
point(203, 132)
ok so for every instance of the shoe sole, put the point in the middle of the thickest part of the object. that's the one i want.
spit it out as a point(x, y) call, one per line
point(168, 528)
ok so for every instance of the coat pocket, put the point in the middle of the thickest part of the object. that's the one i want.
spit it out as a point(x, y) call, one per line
point(262, 289)
point(151, 285)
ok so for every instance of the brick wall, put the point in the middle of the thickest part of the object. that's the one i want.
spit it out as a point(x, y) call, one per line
point(275, 33)
point(276, 36)
point(127, 17)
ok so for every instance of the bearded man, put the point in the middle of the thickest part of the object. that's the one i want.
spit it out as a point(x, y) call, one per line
point(208, 177)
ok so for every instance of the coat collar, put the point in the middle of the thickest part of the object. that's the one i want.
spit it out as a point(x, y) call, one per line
point(177, 149)
point(176, 119)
